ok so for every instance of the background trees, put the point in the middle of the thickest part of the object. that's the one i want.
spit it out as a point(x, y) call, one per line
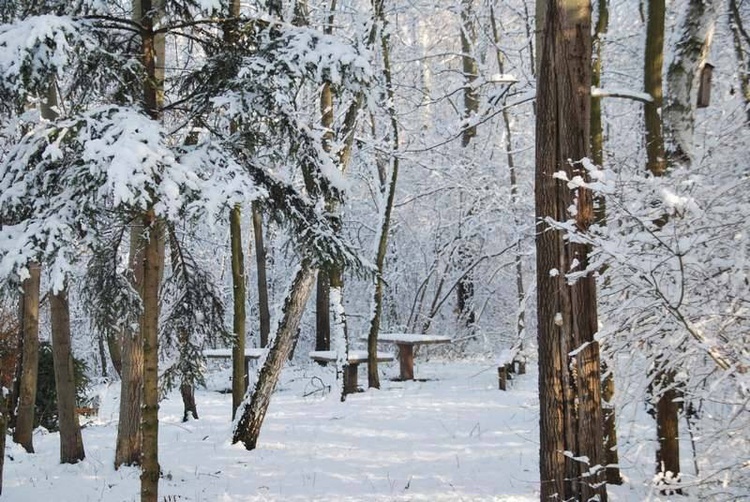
point(441, 97)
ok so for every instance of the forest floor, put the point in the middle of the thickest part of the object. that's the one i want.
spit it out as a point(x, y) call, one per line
point(452, 436)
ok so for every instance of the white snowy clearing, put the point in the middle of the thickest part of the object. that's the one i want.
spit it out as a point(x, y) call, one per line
point(453, 436)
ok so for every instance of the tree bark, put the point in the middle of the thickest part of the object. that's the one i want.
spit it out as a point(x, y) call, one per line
point(71, 442)
point(741, 39)
point(114, 346)
point(571, 447)
point(518, 258)
point(389, 193)
point(239, 297)
point(683, 74)
point(323, 312)
point(9, 361)
point(153, 263)
point(23, 433)
point(253, 410)
point(260, 259)
point(667, 430)
point(656, 161)
point(465, 289)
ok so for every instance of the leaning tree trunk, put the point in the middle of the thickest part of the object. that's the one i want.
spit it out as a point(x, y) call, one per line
point(571, 442)
point(683, 74)
point(71, 442)
point(253, 410)
point(23, 432)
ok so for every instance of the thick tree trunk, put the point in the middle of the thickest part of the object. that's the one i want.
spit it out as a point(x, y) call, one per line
point(71, 443)
point(238, 287)
point(571, 449)
point(683, 74)
point(609, 420)
point(23, 432)
point(129, 437)
point(260, 258)
point(654, 59)
point(253, 410)
point(153, 264)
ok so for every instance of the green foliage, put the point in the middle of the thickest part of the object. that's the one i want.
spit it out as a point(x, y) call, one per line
point(46, 394)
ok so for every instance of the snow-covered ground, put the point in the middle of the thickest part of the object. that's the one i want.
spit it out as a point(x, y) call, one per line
point(452, 436)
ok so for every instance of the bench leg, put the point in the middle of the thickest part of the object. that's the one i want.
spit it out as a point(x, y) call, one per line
point(406, 360)
point(350, 379)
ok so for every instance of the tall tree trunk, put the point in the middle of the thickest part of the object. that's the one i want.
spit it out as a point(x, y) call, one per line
point(518, 258)
point(260, 260)
point(683, 73)
point(571, 449)
point(239, 368)
point(656, 161)
point(465, 289)
point(389, 193)
point(152, 57)
point(253, 410)
point(667, 454)
point(153, 263)
point(741, 41)
point(23, 432)
point(71, 443)
point(611, 456)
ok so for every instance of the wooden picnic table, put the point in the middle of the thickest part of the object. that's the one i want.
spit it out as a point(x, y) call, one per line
point(356, 357)
point(250, 355)
point(406, 343)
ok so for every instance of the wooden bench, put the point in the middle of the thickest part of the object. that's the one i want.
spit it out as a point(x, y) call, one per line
point(406, 343)
point(250, 356)
point(356, 357)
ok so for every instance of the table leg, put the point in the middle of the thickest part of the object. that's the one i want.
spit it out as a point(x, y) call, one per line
point(350, 379)
point(406, 360)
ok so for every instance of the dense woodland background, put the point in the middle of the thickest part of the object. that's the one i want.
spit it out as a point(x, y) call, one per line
point(326, 126)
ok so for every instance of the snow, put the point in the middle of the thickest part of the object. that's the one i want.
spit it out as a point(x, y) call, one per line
point(412, 338)
point(453, 437)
